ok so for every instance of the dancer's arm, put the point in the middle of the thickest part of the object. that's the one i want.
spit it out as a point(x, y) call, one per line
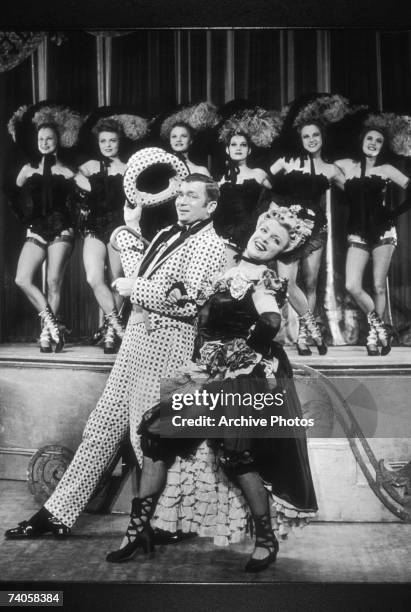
point(26, 171)
point(262, 178)
point(269, 321)
point(338, 176)
point(278, 166)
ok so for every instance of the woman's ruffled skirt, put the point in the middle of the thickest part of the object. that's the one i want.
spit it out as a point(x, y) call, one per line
point(200, 499)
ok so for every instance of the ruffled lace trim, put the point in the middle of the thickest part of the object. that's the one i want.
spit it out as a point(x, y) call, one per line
point(199, 498)
point(286, 518)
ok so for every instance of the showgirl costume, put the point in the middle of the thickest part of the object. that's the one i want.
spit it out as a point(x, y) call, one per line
point(306, 189)
point(41, 204)
point(237, 210)
point(105, 204)
point(235, 360)
point(369, 224)
point(239, 203)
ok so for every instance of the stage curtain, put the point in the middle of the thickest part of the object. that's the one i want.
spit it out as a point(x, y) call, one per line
point(17, 318)
point(257, 67)
point(72, 71)
point(305, 61)
point(143, 71)
point(354, 65)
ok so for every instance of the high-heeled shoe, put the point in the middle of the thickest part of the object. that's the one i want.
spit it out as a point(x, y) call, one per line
point(55, 330)
point(113, 332)
point(45, 341)
point(109, 340)
point(384, 338)
point(41, 523)
point(302, 346)
point(113, 320)
point(392, 334)
point(139, 533)
point(313, 329)
point(372, 342)
point(265, 538)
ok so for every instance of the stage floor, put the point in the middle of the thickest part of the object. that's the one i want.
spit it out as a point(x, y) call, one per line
point(338, 358)
point(322, 552)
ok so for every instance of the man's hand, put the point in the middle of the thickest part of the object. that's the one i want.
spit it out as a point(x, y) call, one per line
point(123, 286)
point(177, 295)
point(132, 216)
point(174, 296)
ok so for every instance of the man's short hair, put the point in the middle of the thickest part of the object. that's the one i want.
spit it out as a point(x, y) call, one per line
point(211, 187)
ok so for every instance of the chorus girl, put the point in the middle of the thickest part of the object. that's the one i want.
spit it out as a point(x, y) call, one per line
point(371, 228)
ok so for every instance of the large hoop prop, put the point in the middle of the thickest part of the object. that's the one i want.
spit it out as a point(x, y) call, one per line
point(147, 158)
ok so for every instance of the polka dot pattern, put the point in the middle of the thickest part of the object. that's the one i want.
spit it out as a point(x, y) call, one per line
point(144, 159)
point(147, 354)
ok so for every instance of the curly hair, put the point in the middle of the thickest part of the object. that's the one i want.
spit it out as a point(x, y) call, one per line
point(108, 124)
point(182, 124)
point(301, 152)
point(385, 154)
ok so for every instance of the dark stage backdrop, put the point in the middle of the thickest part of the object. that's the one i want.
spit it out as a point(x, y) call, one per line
point(154, 70)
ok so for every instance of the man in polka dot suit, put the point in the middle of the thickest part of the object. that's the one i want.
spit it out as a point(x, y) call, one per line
point(158, 340)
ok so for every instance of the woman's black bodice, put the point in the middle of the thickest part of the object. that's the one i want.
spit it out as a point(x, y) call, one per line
point(301, 188)
point(43, 205)
point(38, 200)
point(225, 318)
point(33, 194)
point(237, 211)
point(367, 214)
point(106, 194)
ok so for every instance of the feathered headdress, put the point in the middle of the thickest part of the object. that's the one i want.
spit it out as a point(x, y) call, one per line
point(132, 127)
point(261, 126)
point(325, 109)
point(331, 111)
point(199, 117)
point(27, 119)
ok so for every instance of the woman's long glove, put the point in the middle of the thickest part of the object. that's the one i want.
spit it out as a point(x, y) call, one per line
point(264, 332)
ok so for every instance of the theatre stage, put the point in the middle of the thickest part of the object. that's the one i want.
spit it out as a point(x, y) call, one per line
point(78, 356)
point(321, 553)
point(45, 399)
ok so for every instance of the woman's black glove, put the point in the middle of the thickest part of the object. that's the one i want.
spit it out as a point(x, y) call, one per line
point(264, 332)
